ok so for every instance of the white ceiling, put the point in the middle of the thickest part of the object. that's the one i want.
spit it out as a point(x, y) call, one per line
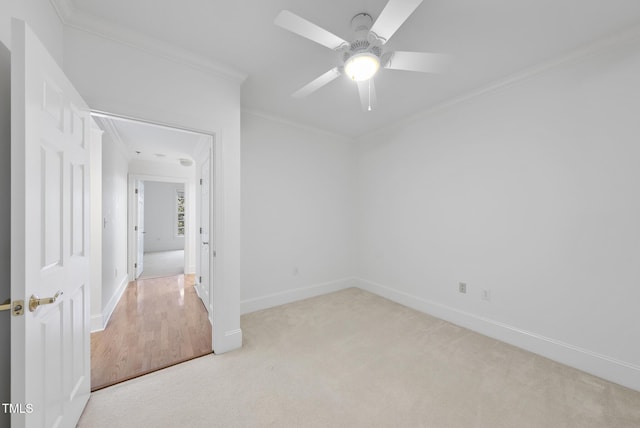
point(150, 142)
point(489, 40)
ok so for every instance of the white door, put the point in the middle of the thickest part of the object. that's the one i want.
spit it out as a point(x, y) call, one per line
point(50, 126)
point(140, 229)
point(205, 238)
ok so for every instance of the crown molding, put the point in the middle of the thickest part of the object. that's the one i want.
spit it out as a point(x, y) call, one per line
point(79, 20)
point(288, 122)
point(63, 8)
point(596, 47)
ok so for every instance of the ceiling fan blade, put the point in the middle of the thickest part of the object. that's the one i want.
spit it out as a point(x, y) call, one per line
point(393, 16)
point(418, 61)
point(292, 22)
point(367, 91)
point(317, 83)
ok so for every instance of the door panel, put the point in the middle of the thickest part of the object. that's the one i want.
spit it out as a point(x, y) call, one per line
point(51, 160)
point(77, 209)
point(140, 231)
point(49, 238)
point(205, 238)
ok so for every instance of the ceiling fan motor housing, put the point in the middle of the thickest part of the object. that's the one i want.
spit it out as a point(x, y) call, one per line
point(365, 41)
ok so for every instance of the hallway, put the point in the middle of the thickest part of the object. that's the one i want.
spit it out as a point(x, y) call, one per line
point(157, 323)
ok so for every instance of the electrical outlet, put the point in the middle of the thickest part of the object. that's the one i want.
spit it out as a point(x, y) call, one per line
point(462, 287)
point(486, 294)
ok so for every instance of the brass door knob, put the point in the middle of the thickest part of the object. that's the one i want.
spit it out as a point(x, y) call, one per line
point(34, 301)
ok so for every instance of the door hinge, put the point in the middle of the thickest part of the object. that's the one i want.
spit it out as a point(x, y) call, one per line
point(200, 231)
point(214, 253)
point(136, 191)
point(135, 265)
point(200, 280)
point(201, 181)
point(135, 228)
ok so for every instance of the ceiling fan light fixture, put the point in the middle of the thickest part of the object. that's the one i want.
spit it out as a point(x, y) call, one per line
point(362, 66)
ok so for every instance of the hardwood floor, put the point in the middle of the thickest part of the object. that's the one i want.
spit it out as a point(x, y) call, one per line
point(158, 322)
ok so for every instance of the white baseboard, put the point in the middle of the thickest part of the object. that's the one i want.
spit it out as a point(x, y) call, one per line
point(228, 341)
point(115, 298)
point(200, 292)
point(288, 296)
point(190, 270)
point(608, 368)
point(96, 323)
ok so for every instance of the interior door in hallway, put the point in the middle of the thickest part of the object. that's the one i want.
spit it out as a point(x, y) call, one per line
point(50, 126)
point(205, 236)
point(140, 228)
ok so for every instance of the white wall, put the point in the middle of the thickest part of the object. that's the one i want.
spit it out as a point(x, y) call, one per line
point(115, 167)
point(531, 192)
point(297, 223)
point(172, 173)
point(45, 23)
point(120, 79)
point(160, 216)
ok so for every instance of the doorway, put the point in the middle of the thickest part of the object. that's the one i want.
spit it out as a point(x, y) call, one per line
point(161, 228)
point(154, 315)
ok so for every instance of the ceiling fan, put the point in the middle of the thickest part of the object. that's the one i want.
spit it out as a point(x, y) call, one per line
point(363, 57)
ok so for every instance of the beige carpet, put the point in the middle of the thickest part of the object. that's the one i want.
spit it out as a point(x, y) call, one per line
point(352, 359)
